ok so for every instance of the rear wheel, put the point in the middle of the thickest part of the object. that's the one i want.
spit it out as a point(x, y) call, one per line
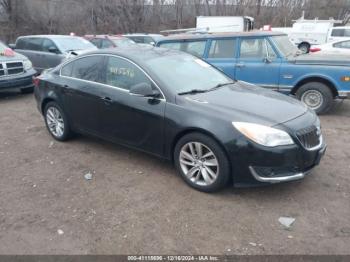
point(316, 96)
point(304, 47)
point(27, 90)
point(56, 122)
point(202, 163)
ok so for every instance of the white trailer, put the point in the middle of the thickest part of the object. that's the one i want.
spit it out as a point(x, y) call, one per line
point(220, 24)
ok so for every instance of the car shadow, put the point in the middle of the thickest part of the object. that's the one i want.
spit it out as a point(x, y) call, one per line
point(8, 95)
point(340, 108)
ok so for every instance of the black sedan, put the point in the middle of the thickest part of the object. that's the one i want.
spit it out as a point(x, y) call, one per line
point(178, 107)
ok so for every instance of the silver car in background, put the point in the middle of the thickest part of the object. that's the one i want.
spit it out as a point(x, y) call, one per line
point(48, 51)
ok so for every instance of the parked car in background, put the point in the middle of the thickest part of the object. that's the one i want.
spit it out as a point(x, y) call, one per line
point(47, 51)
point(150, 39)
point(109, 41)
point(270, 60)
point(16, 71)
point(340, 47)
point(339, 33)
point(178, 107)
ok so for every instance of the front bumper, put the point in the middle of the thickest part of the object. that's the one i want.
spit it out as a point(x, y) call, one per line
point(17, 81)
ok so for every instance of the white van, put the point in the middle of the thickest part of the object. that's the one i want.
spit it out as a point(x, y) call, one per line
point(338, 33)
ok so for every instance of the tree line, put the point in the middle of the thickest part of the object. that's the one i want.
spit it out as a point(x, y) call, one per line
point(23, 17)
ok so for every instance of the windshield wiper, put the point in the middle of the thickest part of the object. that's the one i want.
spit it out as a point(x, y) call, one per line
point(192, 92)
point(220, 85)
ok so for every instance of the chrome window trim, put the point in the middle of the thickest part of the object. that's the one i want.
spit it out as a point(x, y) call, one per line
point(118, 88)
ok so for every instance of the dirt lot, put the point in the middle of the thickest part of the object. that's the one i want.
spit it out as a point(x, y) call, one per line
point(137, 204)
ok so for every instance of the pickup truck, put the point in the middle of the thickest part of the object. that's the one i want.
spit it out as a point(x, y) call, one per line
point(270, 60)
point(16, 71)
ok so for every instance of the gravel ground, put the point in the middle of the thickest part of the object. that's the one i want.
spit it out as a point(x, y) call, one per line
point(136, 204)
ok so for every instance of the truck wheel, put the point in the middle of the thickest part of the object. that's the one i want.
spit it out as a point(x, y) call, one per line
point(316, 96)
point(304, 47)
point(27, 90)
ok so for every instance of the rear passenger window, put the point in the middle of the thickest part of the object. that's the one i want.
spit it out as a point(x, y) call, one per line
point(224, 48)
point(67, 70)
point(87, 68)
point(253, 48)
point(21, 44)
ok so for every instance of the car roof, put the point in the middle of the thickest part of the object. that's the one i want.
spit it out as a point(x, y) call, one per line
point(48, 36)
point(220, 35)
point(105, 36)
point(144, 34)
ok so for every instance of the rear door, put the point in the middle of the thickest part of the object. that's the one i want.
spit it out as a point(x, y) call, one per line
point(258, 63)
point(31, 48)
point(222, 54)
point(83, 93)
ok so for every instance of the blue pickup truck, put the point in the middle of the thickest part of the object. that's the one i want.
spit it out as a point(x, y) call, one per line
point(270, 60)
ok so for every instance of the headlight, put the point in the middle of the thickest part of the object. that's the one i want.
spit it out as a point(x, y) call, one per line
point(27, 65)
point(264, 135)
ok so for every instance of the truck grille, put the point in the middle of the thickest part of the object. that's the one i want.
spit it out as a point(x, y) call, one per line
point(310, 137)
point(11, 68)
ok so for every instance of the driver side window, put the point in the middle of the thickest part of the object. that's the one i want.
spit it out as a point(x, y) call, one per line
point(123, 74)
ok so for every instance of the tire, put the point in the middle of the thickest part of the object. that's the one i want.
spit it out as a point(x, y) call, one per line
point(317, 96)
point(54, 115)
point(304, 47)
point(27, 90)
point(205, 177)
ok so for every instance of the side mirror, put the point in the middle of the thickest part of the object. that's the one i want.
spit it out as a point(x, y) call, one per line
point(144, 90)
point(153, 43)
point(53, 50)
point(12, 46)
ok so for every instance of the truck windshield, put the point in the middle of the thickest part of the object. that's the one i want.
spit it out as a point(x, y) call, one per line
point(284, 45)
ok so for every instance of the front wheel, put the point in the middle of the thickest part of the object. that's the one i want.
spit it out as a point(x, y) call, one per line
point(56, 122)
point(316, 96)
point(202, 162)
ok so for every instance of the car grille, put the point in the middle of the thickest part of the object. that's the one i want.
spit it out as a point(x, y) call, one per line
point(11, 68)
point(310, 137)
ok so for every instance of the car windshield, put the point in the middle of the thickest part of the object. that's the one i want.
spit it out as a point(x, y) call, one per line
point(67, 44)
point(284, 45)
point(187, 73)
point(123, 42)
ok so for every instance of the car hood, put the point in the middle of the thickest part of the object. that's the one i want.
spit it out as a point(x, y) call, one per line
point(321, 59)
point(16, 57)
point(246, 103)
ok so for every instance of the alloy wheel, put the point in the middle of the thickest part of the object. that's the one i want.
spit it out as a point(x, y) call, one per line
point(199, 164)
point(55, 122)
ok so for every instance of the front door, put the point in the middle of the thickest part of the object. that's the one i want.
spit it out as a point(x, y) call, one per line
point(128, 119)
point(258, 63)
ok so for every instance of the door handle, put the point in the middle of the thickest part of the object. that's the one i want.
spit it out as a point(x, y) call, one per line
point(240, 65)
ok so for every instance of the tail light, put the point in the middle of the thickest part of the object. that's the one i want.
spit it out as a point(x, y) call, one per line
point(36, 81)
point(315, 49)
